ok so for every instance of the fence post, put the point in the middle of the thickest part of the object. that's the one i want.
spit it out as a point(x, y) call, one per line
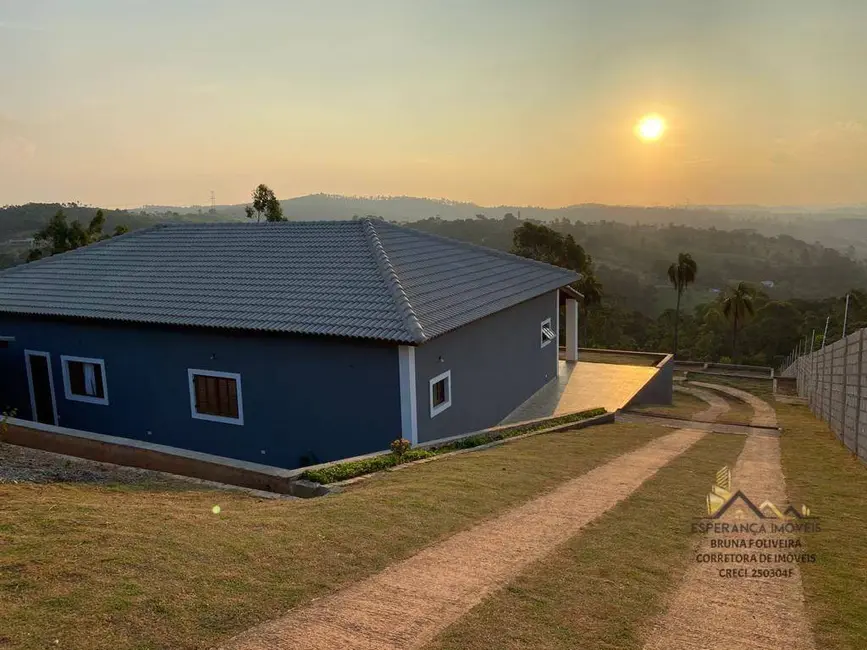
point(858, 398)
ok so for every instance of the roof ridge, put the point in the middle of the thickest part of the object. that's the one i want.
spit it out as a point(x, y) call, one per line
point(398, 294)
point(484, 249)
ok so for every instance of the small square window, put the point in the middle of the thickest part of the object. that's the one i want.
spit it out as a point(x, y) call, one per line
point(216, 396)
point(440, 393)
point(547, 333)
point(84, 379)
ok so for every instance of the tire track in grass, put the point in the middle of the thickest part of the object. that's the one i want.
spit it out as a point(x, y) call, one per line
point(409, 603)
point(601, 589)
point(711, 610)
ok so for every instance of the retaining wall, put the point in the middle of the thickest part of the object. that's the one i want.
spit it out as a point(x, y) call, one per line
point(658, 390)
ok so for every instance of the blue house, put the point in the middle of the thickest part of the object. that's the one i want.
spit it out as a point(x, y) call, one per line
point(286, 344)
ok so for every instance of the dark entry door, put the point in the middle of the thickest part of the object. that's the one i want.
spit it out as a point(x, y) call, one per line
point(41, 388)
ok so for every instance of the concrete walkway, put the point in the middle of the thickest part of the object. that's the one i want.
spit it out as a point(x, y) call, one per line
point(409, 603)
point(580, 386)
point(712, 611)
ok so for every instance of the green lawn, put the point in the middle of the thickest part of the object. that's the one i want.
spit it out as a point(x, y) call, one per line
point(825, 476)
point(603, 589)
point(154, 568)
point(686, 406)
point(683, 405)
point(763, 388)
point(151, 567)
point(739, 411)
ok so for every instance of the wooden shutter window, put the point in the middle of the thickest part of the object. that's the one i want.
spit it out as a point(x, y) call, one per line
point(216, 396)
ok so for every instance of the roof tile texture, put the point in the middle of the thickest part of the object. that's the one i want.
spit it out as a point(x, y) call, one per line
point(364, 279)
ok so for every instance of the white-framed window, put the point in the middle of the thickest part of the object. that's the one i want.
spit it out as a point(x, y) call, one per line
point(216, 396)
point(547, 333)
point(440, 393)
point(84, 379)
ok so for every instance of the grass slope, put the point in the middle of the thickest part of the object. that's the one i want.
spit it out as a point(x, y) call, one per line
point(683, 405)
point(821, 473)
point(763, 388)
point(116, 568)
point(604, 588)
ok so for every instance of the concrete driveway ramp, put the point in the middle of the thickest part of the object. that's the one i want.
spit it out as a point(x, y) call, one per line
point(580, 386)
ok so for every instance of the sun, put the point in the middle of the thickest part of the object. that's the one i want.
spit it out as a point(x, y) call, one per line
point(650, 127)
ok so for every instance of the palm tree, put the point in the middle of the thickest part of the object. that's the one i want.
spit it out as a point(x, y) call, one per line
point(738, 306)
point(681, 274)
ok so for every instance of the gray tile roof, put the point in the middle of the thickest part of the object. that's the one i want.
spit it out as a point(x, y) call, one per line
point(365, 279)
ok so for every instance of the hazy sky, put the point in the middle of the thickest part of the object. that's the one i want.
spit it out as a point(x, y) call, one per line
point(126, 102)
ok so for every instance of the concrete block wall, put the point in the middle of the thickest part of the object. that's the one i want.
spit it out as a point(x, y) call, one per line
point(834, 382)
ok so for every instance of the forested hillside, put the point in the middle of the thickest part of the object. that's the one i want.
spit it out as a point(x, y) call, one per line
point(21, 221)
point(18, 223)
point(793, 285)
point(631, 260)
point(628, 270)
point(843, 228)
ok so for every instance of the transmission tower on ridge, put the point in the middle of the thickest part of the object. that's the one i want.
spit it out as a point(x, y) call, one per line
point(213, 209)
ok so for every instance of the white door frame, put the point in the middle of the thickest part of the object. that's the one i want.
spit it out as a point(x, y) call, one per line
point(38, 353)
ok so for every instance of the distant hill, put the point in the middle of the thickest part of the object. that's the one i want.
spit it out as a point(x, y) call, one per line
point(18, 223)
point(632, 247)
point(843, 228)
point(409, 209)
point(21, 221)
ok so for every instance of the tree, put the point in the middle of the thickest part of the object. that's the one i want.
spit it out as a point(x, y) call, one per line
point(737, 307)
point(591, 289)
point(274, 211)
point(546, 245)
point(541, 243)
point(265, 203)
point(58, 236)
point(681, 274)
point(772, 334)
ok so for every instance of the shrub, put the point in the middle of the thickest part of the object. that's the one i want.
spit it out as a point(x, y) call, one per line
point(417, 454)
point(345, 471)
point(469, 443)
point(399, 448)
point(485, 438)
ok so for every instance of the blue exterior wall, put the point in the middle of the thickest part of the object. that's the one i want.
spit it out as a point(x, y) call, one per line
point(302, 396)
point(496, 363)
